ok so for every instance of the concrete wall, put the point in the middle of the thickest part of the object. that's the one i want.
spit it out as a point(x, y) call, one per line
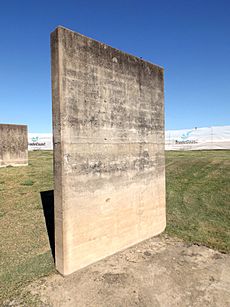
point(108, 124)
point(13, 145)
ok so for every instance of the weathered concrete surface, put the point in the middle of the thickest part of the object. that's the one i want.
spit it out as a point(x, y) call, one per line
point(108, 124)
point(13, 145)
point(160, 272)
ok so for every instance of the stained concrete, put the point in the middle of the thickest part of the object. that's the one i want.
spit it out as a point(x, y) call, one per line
point(13, 145)
point(108, 125)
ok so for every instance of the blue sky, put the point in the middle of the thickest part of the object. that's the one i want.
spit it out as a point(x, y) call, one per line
point(190, 39)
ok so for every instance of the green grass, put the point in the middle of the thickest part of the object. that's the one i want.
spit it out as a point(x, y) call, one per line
point(198, 211)
point(24, 246)
point(198, 197)
point(27, 182)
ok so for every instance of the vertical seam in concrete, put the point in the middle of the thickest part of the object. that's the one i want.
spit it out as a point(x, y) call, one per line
point(57, 137)
point(26, 128)
point(163, 129)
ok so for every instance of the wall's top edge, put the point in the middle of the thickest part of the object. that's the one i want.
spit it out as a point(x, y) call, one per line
point(13, 125)
point(108, 46)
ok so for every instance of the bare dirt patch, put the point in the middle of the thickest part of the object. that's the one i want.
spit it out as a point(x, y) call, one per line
point(161, 271)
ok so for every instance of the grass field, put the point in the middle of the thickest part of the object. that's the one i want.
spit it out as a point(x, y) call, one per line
point(198, 210)
point(198, 197)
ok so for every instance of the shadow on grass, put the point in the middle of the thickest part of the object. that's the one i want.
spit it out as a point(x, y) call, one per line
point(47, 198)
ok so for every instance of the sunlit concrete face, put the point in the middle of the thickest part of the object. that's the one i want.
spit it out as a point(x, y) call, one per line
point(108, 124)
point(13, 145)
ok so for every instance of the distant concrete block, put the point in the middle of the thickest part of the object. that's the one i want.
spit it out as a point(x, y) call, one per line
point(13, 145)
point(108, 124)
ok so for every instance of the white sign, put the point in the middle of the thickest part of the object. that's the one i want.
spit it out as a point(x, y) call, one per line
point(40, 141)
point(187, 139)
point(198, 138)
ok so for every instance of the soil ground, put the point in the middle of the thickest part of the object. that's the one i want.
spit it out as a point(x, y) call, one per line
point(161, 271)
